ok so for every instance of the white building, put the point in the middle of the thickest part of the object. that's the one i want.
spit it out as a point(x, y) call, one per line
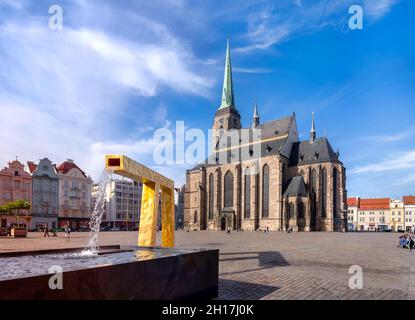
point(352, 213)
point(373, 214)
point(397, 215)
point(123, 204)
point(409, 204)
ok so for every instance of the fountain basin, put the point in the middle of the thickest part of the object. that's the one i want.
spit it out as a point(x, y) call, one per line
point(120, 273)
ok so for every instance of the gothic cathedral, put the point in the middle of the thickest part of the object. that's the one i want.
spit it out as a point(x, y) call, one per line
point(273, 181)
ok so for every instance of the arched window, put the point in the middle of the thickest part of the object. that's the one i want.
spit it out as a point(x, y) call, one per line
point(228, 190)
point(195, 217)
point(265, 191)
point(211, 195)
point(283, 176)
point(247, 194)
point(335, 178)
point(229, 151)
point(301, 210)
point(291, 212)
point(314, 180)
point(324, 192)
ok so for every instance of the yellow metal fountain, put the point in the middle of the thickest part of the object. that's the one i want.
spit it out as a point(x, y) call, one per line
point(153, 184)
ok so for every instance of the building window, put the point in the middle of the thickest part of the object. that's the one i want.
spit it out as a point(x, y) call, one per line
point(195, 217)
point(247, 194)
point(265, 192)
point(211, 195)
point(228, 190)
point(291, 211)
point(301, 211)
point(324, 192)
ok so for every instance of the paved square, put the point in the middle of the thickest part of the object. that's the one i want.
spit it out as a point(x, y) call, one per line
point(255, 265)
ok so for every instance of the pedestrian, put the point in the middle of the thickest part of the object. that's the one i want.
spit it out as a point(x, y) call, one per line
point(46, 231)
point(68, 233)
point(228, 230)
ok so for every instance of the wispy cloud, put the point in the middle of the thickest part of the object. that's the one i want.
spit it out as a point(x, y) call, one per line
point(392, 137)
point(67, 94)
point(272, 24)
point(395, 161)
point(252, 70)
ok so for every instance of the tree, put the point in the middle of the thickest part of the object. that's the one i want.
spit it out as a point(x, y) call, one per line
point(16, 207)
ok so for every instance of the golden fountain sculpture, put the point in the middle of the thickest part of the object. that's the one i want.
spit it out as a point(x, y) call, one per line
point(153, 183)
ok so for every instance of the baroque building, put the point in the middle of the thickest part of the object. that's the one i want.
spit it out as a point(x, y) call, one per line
point(263, 176)
point(74, 205)
point(45, 188)
point(15, 184)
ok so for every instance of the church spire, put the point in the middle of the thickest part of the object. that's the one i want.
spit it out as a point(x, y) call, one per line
point(255, 118)
point(227, 92)
point(313, 130)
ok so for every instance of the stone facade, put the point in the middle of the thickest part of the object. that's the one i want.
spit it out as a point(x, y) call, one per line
point(45, 194)
point(273, 181)
point(15, 184)
point(74, 196)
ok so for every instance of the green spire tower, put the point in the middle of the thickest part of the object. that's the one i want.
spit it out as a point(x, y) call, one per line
point(228, 99)
point(226, 117)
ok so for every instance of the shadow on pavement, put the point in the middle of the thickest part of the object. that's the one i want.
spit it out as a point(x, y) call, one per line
point(237, 290)
point(265, 258)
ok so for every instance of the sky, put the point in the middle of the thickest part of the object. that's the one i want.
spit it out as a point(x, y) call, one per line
point(119, 70)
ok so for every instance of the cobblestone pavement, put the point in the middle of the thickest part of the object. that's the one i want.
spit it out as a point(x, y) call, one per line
point(255, 265)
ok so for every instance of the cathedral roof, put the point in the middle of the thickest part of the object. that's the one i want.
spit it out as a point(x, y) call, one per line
point(306, 152)
point(273, 136)
point(277, 127)
point(296, 188)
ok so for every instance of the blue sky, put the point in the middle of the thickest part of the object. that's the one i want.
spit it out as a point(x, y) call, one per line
point(119, 70)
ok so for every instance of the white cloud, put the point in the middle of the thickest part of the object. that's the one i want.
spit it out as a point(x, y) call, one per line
point(62, 93)
point(392, 137)
point(273, 24)
point(397, 161)
point(378, 8)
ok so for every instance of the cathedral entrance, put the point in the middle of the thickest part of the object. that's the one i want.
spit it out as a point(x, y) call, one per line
point(227, 218)
point(223, 224)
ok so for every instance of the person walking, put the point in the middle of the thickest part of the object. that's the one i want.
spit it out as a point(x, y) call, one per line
point(67, 233)
point(46, 231)
point(228, 230)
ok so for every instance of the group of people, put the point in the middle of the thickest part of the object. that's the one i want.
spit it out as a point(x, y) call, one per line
point(406, 241)
point(67, 233)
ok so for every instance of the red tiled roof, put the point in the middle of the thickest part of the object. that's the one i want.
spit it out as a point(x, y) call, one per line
point(32, 167)
point(353, 202)
point(375, 204)
point(409, 200)
point(66, 166)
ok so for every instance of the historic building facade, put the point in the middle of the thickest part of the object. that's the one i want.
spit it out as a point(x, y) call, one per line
point(265, 177)
point(45, 186)
point(15, 184)
point(409, 203)
point(374, 214)
point(122, 203)
point(397, 215)
point(74, 196)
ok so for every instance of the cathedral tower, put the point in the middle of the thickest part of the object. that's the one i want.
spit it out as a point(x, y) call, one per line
point(227, 116)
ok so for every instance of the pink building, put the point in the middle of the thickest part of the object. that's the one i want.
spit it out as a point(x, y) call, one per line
point(15, 184)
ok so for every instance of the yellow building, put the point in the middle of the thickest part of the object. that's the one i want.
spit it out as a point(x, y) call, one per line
point(397, 215)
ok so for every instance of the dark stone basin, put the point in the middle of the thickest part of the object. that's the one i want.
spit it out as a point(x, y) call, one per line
point(116, 273)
